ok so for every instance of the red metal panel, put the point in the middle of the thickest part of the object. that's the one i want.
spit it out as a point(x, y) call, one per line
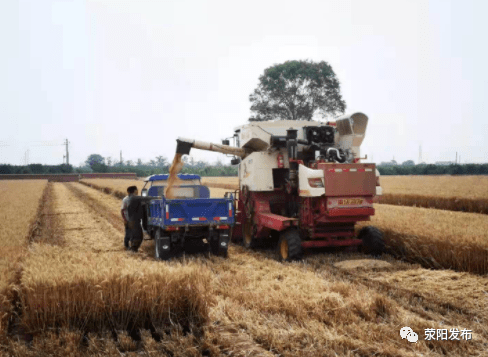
point(331, 243)
point(357, 182)
point(333, 234)
point(342, 219)
point(334, 212)
point(274, 221)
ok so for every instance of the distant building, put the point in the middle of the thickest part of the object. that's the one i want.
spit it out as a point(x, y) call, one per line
point(445, 163)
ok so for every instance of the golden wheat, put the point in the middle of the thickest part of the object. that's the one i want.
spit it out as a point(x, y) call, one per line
point(473, 187)
point(91, 284)
point(116, 187)
point(456, 193)
point(298, 310)
point(257, 306)
point(436, 238)
point(19, 208)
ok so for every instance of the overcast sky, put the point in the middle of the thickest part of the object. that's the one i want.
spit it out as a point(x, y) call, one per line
point(135, 75)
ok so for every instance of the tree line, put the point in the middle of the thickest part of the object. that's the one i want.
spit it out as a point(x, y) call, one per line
point(99, 164)
point(431, 169)
point(158, 165)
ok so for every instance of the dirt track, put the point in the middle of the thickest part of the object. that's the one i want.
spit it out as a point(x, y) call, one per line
point(311, 308)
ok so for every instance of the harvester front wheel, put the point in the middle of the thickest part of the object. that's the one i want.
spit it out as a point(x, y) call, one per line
point(162, 246)
point(373, 242)
point(289, 245)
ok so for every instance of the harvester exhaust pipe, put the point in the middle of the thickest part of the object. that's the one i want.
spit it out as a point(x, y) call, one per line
point(291, 145)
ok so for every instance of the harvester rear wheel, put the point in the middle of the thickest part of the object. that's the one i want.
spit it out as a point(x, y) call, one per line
point(162, 246)
point(373, 242)
point(290, 245)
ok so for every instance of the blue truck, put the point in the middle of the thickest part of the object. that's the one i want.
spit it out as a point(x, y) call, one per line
point(191, 218)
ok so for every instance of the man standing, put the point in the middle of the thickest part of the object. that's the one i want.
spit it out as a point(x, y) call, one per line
point(132, 190)
point(135, 211)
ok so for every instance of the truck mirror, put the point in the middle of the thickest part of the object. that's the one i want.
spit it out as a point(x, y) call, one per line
point(144, 192)
point(226, 142)
point(235, 161)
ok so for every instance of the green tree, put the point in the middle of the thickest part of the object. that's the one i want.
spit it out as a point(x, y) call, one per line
point(94, 159)
point(96, 163)
point(161, 161)
point(296, 90)
point(96, 167)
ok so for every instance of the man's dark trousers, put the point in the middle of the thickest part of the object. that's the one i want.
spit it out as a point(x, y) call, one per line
point(135, 235)
point(127, 236)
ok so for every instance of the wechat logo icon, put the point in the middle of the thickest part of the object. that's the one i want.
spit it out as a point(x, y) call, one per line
point(407, 332)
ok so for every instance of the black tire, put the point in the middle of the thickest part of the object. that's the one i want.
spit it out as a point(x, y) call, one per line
point(223, 242)
point(219, 246)
point(290, 245)
point(373, 242)
point(162, 247)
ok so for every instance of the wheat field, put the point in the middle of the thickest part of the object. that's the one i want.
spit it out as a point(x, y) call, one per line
point(118, 187)
point(259, 307)
point(91, 283)
point(435, 238)
point(19, 208)
point(81, 294)
point(456, 193)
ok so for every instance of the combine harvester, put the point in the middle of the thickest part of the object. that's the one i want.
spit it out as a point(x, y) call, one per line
point(301, 182)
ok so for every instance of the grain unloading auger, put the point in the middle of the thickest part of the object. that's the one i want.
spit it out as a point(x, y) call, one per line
point(303, 183)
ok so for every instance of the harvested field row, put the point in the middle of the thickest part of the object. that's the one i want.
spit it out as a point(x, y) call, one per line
point(435, 238)
point(90, 284)
point(476, 205)
point(118, 187)
point(20, 209)
point(260, 307)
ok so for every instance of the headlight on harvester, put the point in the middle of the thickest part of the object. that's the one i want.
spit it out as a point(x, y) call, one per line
point(315, 182)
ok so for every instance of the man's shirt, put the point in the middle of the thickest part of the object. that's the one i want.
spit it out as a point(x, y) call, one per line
point(134, 208)
point(125, 206)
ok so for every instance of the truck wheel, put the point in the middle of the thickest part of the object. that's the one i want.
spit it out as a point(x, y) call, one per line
point(219, 245)
point(373, 242)
point(289, 245)
point(162, 246)
point(223, 243)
